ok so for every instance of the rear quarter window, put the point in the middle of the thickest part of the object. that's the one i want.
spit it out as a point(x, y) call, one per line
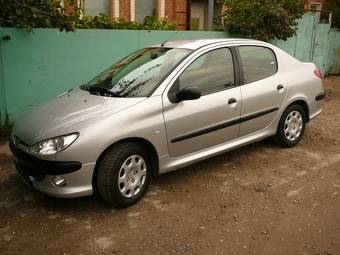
point(258, 63)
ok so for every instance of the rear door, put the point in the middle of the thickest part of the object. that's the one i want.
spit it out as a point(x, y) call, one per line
point(212, 119)
point(263, 90)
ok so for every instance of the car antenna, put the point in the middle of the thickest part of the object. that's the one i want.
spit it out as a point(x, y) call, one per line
point(169, 38)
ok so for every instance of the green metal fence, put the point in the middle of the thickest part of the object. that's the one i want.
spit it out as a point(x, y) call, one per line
point(314, 42)
point(334, 52)
point(36, 66)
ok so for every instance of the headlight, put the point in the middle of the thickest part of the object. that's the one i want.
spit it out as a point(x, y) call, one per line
point(53, 145)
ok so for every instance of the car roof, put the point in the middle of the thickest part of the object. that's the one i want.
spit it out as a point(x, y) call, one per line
point(195, 44)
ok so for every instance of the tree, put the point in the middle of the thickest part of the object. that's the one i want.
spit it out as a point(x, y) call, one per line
point(263, 19)
point(37, 13)
point(334, 7)
point(31, 14)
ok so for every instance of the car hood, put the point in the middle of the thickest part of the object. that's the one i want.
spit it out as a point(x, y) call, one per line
point(70, 112)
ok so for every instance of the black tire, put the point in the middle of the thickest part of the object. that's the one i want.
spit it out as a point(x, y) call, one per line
point(280, 137)
point(110, 165)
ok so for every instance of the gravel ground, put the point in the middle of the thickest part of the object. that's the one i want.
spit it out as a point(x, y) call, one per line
point(260, 199)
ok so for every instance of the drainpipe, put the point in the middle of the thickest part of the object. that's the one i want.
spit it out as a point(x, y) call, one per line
point(210, 14)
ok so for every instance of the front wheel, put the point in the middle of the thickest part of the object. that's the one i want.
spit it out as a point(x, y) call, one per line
point(291, 126)
point(123, 174)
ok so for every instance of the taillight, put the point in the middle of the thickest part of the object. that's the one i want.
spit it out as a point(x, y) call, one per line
point(318, 73)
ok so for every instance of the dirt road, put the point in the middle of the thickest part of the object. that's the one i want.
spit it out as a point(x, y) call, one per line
point(259, 199)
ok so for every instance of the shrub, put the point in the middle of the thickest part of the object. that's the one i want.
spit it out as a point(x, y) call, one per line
point(263, 19)
point(105, 22)
point(50, 14)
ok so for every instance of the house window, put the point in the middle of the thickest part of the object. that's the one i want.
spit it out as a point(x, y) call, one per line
point(144, 8)
point(316, 7)
point(94, 8)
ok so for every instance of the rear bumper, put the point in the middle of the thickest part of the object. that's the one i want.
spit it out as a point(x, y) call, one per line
point(314, 114)
point(320, 96)
point(40, 173)
point(315, 105)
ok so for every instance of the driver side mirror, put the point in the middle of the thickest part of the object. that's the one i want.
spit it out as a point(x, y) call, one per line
point(188, 93)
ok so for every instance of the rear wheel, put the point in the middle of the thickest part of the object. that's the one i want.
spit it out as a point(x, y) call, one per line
point(123, 174)
point(291, 126)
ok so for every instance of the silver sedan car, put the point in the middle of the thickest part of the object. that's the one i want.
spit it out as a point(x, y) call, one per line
point(162, 108)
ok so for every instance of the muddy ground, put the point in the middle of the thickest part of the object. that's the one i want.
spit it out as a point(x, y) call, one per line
point(260, 199)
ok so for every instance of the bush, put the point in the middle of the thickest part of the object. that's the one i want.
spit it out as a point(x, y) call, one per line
point(263, 19)
point(36, 13)
point(105, 22)
point(49, 14)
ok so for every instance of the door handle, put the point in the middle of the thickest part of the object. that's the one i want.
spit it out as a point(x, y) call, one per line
point(280, 87)
point(232, 101)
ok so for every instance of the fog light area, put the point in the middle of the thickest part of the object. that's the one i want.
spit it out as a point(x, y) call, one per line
point(59, 181)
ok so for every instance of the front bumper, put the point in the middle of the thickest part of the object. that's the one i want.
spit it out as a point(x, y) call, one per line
point(40, 173)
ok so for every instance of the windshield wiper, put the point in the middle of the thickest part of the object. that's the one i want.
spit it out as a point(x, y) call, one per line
point(102, 91)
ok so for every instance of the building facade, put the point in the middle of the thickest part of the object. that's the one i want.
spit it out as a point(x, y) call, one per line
point(188, 14)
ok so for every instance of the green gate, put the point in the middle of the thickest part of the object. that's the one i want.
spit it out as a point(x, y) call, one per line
point(314, 42)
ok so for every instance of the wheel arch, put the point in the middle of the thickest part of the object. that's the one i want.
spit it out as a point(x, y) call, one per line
point(150, 148)
point(304, 106)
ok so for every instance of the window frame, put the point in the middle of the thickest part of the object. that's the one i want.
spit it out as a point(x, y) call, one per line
point(242, 80)
point(175, 86)
point(318, 6)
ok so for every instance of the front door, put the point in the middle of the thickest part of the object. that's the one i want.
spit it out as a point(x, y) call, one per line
point(198, 124)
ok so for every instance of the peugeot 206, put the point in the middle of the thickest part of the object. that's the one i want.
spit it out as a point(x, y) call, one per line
point(162, 108)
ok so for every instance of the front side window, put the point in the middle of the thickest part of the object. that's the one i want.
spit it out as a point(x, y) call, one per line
point(211, 72)
point(137, 75)
point(257, 62)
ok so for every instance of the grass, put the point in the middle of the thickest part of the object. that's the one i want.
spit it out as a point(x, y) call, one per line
point(5, 129)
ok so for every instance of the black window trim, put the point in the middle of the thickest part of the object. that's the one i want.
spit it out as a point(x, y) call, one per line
point(240, 65)
point(236, 68)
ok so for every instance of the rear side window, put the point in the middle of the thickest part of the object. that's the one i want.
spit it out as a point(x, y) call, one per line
point(258, 63)
point(211, 72)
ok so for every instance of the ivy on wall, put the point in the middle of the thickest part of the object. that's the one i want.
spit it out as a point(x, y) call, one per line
point(50, 14)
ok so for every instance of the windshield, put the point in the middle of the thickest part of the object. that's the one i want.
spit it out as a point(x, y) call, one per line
point(137, 75)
